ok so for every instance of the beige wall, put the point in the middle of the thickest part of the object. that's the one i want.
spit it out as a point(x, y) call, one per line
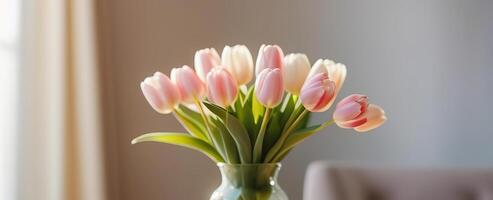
point(421, 60)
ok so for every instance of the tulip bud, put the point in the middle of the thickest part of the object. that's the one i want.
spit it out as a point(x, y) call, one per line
point(317, 93)
point(188, 83)
point(204, 61)
point(296, 69)
point(222, 88)
point(238, 61)
point(355, 112)
point(269, 87)
point(269, 56)
point(160, 92)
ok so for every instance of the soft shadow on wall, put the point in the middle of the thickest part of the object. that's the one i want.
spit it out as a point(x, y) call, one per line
point(426, 62)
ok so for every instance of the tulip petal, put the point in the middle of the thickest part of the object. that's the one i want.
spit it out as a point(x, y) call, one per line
point(320, 66)
point(153, 98)
point(204, 61)
point(238, 61)
point(347, 111)
point(296, 67)
point(310, 97)
point(376, 117)
point(317, 92)
point(188, 83)
point(269, 87)
point(169, 91)
point(269, 56)
point(352, 123)
point(353, 98)
point(222, 88)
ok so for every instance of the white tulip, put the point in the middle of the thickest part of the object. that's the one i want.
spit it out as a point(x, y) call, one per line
point(238, 61)
point(296, 69)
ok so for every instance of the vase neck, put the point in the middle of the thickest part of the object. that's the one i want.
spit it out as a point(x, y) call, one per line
point(250, 175)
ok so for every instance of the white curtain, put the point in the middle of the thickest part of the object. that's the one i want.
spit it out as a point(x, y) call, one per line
point(60, 132)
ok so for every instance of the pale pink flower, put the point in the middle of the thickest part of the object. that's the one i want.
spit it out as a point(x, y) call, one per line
point(222, 88)
point(355, 112)
point(190, 86)
point(269, 56)
point(161, 93)
point(336, 72)
point(204, 61)
point(269, 87)
point(317, 93)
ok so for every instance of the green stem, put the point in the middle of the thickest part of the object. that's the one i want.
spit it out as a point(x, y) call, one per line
point(292, 117)
point(209, 130)
point(229, 154)
point(325, 124)
point(277, 146)
point(257, 150)
point(284, 152)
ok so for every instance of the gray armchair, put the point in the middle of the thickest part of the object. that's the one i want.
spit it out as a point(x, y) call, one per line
point(325, 181)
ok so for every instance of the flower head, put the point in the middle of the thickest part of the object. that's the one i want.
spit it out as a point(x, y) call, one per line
point(296, 69)
point(269, 87)
point(355, 112)
point(269, 56)
point(317, 92)
point(222, 88)
point(238, 61)
point(205, 60)
point(160, 92)
point(188, 83)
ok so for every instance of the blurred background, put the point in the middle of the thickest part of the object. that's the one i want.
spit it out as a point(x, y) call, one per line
point(70, 99)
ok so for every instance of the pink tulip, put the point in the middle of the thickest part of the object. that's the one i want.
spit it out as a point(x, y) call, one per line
point(317, 93)
point(204, 61)
point(336, 72)
point(190, 86)
point(269, 56)
point(222, 88)
point(355, 112)
point(160, 92)
point(375, 118)
point(269, 87)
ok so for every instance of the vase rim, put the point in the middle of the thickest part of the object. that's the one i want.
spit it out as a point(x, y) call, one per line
point(220, 164)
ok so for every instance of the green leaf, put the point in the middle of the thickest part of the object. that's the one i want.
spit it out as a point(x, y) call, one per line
point(281, 157)
point(244, 114)
point(259, 143)
point(294, 139)
point(273, 132)
point(189, 112)
point(288, 106)
point(192, 123)
point(236, 129)
point(257, 108)
point(181, 139)
point(249, 95)
point(217, 140)
point(304, 122)
point(288, 129)
point(229, 145)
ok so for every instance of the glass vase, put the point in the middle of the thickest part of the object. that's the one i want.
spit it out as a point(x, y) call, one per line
point(249, 182)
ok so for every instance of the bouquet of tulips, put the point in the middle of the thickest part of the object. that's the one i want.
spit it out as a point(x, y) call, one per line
point(232, 121)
